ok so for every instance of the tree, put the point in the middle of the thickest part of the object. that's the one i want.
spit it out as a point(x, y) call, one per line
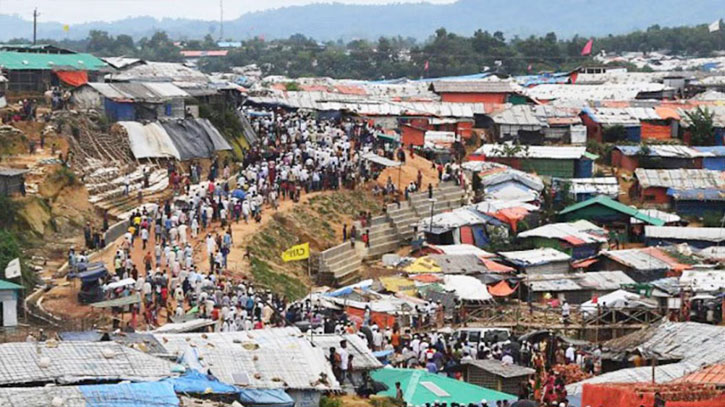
point(614, 134)
point(702, 130)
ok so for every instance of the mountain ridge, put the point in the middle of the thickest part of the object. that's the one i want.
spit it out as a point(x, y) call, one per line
point(333, 21)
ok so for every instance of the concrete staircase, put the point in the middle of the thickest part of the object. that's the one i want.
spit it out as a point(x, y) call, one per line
point(339, 265)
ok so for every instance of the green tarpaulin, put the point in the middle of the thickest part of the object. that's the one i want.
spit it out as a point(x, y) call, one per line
point(420, 387)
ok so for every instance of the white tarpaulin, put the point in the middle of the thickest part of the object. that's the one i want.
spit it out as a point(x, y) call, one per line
point(619, 299)
point(149, 141)
point(12, 270)
point(467, 288)
point(385, 162)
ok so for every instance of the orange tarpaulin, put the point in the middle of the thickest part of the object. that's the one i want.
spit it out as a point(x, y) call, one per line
point(426, 278)
point(73, 78)
point(502, 289)
point(383, 320)
point(496, 267)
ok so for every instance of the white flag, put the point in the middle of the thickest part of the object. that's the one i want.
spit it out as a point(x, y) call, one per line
point(13, 269)
point(714, 26)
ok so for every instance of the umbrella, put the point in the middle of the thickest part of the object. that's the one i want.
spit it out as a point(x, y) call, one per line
point(525, 403)
point(238, 193)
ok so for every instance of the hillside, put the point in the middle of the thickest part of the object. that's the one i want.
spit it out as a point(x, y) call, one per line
point(333, 21)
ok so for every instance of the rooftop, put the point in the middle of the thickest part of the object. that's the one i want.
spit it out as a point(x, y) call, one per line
point(500, 369)
point(483, 86)
point(544, 152)
point(575, 233)
point(614, 205)
point(714, 235)
point(23, 61)
point(649, 258)
point(535, 257)
point(681, 179)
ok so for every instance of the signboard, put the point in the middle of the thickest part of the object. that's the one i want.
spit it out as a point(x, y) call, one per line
point(12, 270)
point(299, 252)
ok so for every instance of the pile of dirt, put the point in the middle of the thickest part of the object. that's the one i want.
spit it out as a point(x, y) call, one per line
point(408, 173)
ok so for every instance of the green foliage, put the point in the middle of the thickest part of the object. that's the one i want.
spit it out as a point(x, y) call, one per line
point(226, 121)
point(292, 86)
point(712, 219)
point(63, 176)
point(9, 212)
point(263, 274)
point(614, 134)
point(330, 402)
point(701, 128)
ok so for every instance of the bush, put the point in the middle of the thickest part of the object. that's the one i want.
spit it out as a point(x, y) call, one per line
point(63, 176)
point(712, 220)
point(330, 402)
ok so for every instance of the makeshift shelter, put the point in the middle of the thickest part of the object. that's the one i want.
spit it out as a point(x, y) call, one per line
point(277, 358)
point(581, 189)
point(36, 69)
point(9, 296)
point(686, 191)
point(575, 288)
point(467, 288)
point(493, 374)
point(106, 395)
point(689, 345)
point(507, 184)
point(12, 181)
point(580, 239)
point(538, 261)
point(420, 387)
point(620, 300)
point(695, 237)
point(554, 161)
point(23, 363)
point(195, 138)
point(642, 265)
point(501, 289)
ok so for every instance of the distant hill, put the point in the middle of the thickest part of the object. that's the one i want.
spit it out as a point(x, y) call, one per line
point(338, 21)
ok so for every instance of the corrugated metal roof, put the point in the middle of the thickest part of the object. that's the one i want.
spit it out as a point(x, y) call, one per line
point(22, 61)
point(657, 214)
point(590, 281)
point(608, 186)
point(160, 72)
point(483, 86)
point(592, 92)
point(576, 233)
point(667, 151)
point(70, 362)
point(694, 344)
point(708, 375)
point(550, 152)
point(535, 256)
point(650, 258)
point(274, 358)
point(614, 205)
point(703, 281)
point(500, 175)
point(500, 369)
point(715, 235)
point(518, 115)
point(138, 91)
point(681, 179)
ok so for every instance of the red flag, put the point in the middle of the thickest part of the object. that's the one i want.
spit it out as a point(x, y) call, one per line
point(427, 65)
point(587, 50)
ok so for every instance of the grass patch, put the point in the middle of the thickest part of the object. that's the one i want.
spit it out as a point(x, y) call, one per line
point(263, 274)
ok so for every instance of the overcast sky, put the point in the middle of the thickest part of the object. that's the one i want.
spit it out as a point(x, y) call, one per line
point(78, 11)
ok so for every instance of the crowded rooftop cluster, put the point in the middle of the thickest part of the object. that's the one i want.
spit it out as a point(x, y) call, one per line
point(483, 240)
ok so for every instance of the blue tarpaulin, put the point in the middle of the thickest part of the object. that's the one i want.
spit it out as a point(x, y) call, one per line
point(193, 382)
point(265, 397)
point(158, 394)
point(239, 194)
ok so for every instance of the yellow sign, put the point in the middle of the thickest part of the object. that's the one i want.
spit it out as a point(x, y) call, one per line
point(299, 252)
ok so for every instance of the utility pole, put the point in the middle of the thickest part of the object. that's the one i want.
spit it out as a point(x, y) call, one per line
point(35, 25)
point(221, 20)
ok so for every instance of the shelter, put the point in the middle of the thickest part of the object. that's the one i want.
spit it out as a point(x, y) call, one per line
point(420, 387)
point(132, 101)
point(605, 211)
point(620, 300)
point(687, 191)
point(493, 374)
point(12, 181)
point(562, 124)
point(9, 296)
point(277, 358)
point(480, 91)
point(27, 363)
point(35, 70)
point(657, 157)
point(715, 158)
point(181, 139)
point(505, 184)
point(518, 124)
point(108, 395)
point(582, 189)
point(696, 237)
point(538, 261)
point(642, 265)
point(689, 345)
point(554, 161)
point(464, 225)
point(580, 239)
point(575, 288)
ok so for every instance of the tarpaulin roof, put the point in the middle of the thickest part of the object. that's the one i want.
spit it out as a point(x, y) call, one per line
point(423, 265)
point(547, 152)
point(24, 61)
point(73, 78)
point(104, 395)
point(714, 235)
point(502, 289)
point(385, 162)
point(149, 140)
point(681, 179)
point(265, 397)
point(396, 284)
point(194, 138)
point(649, 258)
point(420, 387)
point(194, 382)
point(458, 249)
point(535, 256)
point(466, 288)
point(576, 233)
